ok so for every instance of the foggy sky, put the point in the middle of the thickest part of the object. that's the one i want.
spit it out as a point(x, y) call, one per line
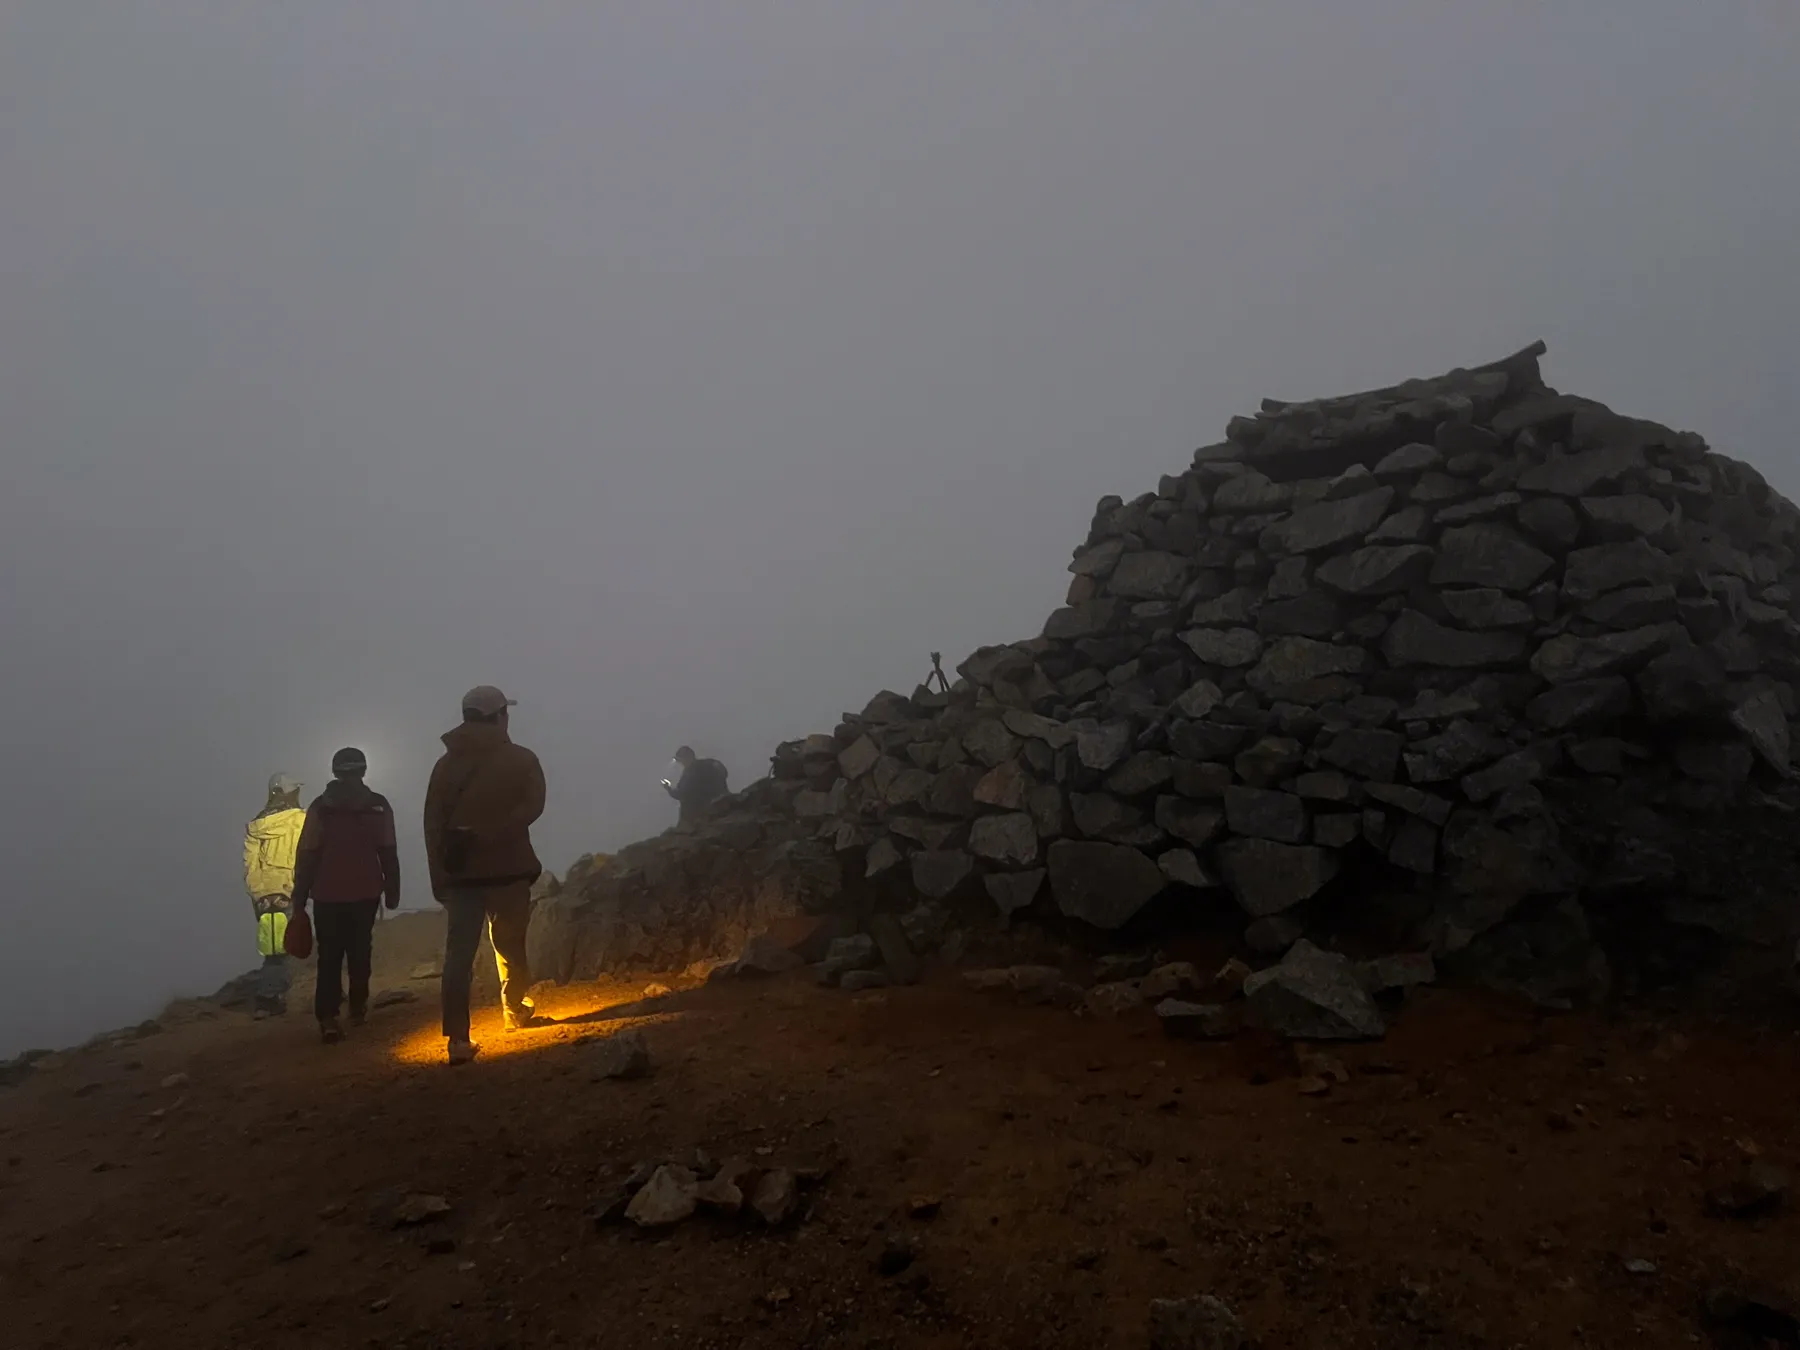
point(693, 370)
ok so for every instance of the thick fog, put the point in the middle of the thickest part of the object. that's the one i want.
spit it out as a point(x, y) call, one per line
point(693, 370)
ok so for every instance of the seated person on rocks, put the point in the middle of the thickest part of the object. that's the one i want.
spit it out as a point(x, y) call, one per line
point(701, 784)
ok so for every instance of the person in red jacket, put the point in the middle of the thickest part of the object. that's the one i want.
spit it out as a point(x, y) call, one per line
point(347, 861)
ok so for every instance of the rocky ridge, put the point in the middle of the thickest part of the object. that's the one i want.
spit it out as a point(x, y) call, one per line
point(1470, 666)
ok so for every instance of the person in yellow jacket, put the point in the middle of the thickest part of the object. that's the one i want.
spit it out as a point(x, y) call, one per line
point(270, 843)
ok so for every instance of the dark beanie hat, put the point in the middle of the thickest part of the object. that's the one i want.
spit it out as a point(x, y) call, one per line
point(349, 762)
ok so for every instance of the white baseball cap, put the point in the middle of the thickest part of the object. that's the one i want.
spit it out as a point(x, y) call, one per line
point(486, 700)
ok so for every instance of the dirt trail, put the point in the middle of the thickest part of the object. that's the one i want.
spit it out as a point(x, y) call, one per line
point(1484, 1178)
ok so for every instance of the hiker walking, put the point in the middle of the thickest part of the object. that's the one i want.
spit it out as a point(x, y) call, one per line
point(702, 783)
point(347, 862)
point(270, 840)
point(485, 793)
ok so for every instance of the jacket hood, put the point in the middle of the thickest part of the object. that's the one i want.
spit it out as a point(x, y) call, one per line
point(348, 793)
point(276, 823)
point(475, 736)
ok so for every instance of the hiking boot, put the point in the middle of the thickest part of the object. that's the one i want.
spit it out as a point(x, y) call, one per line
point(525, 1019)
point(358, 1016)
point(463, 1052)
point(329, 1031)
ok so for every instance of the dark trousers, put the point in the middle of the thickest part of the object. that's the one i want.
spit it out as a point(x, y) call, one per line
point(504, 913)
point(343, 931)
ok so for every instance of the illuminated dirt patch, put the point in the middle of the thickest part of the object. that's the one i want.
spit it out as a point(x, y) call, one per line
point(584, 1013)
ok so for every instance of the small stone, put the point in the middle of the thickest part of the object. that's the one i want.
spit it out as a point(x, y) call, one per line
point(1149, 576)
point(1099, 815)
point(1411, 800)
point(1592, 572)
point(938, 873)
point(1183, 867)
point(857, 981)
point(1460, 747)
point(1103, 747)
point(1403, 970)
point(1199, 699)
point(1273, 935)
point(671, 1195)
point(1365, 752)
point(1197, 1021)
point(624, 1054)
point(1010, 840)
point(1203, 1323)
point(1013, 891)
point(1488, 555)
point(1415, 640)
point(1268, 877)
point(1486, 607)
point(1327, 523)
point(1101, 884)
point(1261, 813)
point(1414, 847)
point(764, 955)
point(1378, 569)
point(1170, 979)
point(1512, 771)
point(1116, 998)
point(1568, 657)
point(1757, 1190)
point(1007, 786)
point(856, 952)
point(1323, 785)
point(1123, 966)
point(1760, 718)
point(1550, 520)
point(1482, 508)
point(176, 1080)
point(418, 1208)
point(1298, 665)
point(1408, 525)
point(776, 1197)
point(897, 954)
point(1408, 460)
point(1225, 647)
point(1193, 822)
point(859, 758)
point(1337, 829)
point(1634, 607)
point(1141, 773)
point(1577, 475)
point(721, 1194)
point(883, 857)
point(1313, 995)
point(1581, 702)
point(1269, 760)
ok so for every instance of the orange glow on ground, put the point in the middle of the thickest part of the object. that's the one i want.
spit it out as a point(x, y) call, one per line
point(579, 1013)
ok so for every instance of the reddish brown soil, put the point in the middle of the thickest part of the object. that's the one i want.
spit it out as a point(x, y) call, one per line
point(1482, 1179)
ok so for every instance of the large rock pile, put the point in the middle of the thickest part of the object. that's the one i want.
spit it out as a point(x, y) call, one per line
point(1467, 631)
